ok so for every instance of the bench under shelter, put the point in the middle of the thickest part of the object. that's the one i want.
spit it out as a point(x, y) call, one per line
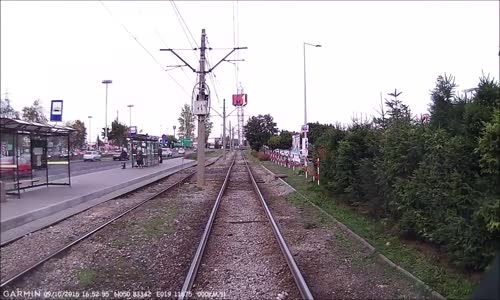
point(33, 155)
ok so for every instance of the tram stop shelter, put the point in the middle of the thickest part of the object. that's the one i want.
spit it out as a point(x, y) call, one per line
point(33, 155)
point(149, 145)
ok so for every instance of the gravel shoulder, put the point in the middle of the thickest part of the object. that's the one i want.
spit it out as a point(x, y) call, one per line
point(333, 263)
point(242, 259)
point(146, 252)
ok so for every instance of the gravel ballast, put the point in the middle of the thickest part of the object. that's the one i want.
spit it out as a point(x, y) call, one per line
point(242, 259)
point(146, 252)
point(334, 264)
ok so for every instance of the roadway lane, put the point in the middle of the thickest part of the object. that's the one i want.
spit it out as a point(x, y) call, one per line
point(79, 167)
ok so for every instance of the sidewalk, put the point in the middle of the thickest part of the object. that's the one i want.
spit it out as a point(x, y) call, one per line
point(43, 206)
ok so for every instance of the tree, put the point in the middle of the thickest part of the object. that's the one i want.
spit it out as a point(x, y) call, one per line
point(99, 142)
point(316, 130)
point(118, 133)
point(442, 98)
point(77, 137)
point(259, 130)
point(171, 140)
point(35, 113)
point(208, 128)
point(186, 122)
point(7, 111)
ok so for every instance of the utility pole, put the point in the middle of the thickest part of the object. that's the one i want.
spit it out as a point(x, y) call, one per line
point(200, 180)
point(229, 135)
point(106, 82)
point(201, 106)
point(224, 128)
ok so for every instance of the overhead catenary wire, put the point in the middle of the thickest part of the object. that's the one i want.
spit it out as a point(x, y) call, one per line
point(166, 46)
point(184, 27)
point(236, 38)
point(142, 46)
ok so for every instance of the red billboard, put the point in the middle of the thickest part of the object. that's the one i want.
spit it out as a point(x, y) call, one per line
point(240, 100)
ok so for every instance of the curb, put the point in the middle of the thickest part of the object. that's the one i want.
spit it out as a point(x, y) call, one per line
point(13, 234)
point(23, 219)
point(373, 250)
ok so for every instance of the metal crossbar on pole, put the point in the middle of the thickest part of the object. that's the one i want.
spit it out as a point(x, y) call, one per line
point(201, 107)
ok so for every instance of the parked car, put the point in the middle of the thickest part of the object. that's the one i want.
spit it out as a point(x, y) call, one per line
point(118, 156)
point(91, 156)
point(166, 152)
point(181, 151)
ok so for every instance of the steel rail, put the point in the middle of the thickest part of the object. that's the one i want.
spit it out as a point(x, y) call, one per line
point(297, 275)
point(195, 264)
point(86, 235)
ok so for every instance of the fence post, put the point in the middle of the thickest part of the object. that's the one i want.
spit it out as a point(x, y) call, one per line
point(318, 171)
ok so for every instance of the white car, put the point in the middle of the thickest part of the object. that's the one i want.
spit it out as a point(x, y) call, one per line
point(181, 151)
point(166, 152)
point(91, 155)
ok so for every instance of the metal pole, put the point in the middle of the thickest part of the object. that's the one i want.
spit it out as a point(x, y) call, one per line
point(230, 137)
point(224, 128)
point(90, 130)
point(305, 109)
point(106, 117)
point(305, 86)
point(201, 118)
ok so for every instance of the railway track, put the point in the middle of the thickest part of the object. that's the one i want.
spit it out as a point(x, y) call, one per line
point(237, 256)
point(152, 194)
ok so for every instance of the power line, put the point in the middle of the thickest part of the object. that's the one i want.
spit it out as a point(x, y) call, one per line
point(165, 44)
point(142, 46)
point(183, 24)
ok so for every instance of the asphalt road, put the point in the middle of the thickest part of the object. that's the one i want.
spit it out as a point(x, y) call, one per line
point(79, 167)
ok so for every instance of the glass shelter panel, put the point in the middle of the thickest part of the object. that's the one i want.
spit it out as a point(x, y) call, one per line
point(38, 159)
point(58, 160)
point(8, 168)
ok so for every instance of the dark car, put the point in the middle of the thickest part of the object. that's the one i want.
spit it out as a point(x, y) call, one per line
point(118, 156)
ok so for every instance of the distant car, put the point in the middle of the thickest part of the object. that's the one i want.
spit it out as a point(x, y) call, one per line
point(181, 151)
point(118, 156)
point(166, 152)
point(91, 156)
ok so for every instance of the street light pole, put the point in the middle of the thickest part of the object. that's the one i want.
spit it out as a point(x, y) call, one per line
point(305, 144)
point(90, 131)
point(130, 115)
point(174, 130)
point(106, 82)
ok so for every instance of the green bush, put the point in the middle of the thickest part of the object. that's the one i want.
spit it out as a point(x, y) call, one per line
point(438, 182)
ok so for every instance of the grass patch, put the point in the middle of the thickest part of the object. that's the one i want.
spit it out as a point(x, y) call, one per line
point(118, 243)
point(86, 276)
point(160, 224)
point(296, 200)
point(208, 154)
point(449, 283)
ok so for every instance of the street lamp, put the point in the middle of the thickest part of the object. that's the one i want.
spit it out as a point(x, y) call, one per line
point(106, 82)
point(130, 115)
point(305, 105)
point(90, 132)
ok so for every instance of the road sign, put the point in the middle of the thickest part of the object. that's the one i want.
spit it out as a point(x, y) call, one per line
point(201, 107)
point(56, 107)
point(133, 130)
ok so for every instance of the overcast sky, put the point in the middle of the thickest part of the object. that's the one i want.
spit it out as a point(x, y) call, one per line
point(64, 49)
